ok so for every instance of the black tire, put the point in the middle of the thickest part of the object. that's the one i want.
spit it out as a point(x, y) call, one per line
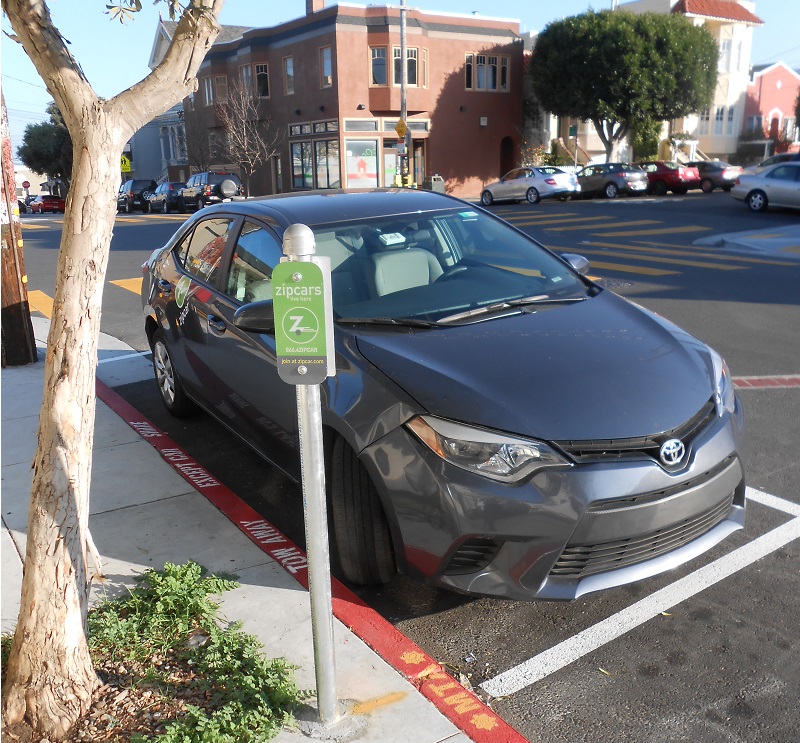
point(363, 541)
point(532, 196)
point(169, 386)
point(181, 205)
point(680, 191)
point(165, 207)
point(201, 203)
point(757, 201)
point(565, 197)
point(128, 207)
point(726, 189)
point(659, 188)
point(486, 198)
point(707, 185)
point(145, 207)
point(611, 191)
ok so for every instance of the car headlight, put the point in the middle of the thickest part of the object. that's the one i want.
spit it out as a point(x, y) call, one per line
point(493, 455)
point(723, 385)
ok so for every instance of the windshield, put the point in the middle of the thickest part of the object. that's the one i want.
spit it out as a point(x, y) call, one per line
point(432, 266)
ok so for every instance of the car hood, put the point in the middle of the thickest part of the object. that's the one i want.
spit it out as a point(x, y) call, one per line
point(601, 368)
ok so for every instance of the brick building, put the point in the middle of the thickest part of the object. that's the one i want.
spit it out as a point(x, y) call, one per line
point(769, 105)
point(330, 84)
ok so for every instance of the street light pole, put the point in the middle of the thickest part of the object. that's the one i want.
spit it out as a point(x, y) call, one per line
point(406, 167)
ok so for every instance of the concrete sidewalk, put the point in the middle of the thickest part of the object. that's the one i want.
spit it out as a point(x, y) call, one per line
point(143, 514)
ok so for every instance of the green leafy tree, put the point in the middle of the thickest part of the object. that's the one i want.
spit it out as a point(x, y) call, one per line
point(47, 147)
point(50, 679)
point(617, 68)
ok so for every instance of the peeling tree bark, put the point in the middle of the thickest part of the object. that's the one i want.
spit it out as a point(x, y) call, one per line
point(50, 678)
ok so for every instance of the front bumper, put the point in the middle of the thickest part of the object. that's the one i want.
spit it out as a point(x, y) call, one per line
point(564, 532)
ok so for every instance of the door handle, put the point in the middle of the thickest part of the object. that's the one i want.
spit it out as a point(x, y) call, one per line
point(164, 287)
point(217, 325)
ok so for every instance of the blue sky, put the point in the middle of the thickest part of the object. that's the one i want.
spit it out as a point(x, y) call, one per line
point(114, 56)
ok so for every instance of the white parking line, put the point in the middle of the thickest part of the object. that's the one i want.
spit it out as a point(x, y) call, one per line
point(592, 638)
point(123, 357)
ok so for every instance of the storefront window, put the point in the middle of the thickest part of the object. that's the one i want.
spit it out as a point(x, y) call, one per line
point(327, 157)
point(302, 174)
point(362, 163)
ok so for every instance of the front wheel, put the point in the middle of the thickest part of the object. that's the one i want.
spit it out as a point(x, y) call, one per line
point(611, 191)
point(757, 201)
point(169, 386)
point(181, 205)
point(363, 541)
point(487, 198)
point(532, 196)
point(128, 207)
point(165, 207)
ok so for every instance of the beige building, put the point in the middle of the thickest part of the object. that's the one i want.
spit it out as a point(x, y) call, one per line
point(731, 23)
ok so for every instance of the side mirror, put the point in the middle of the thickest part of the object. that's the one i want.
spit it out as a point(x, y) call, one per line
point(256, 317)
point(578, 262)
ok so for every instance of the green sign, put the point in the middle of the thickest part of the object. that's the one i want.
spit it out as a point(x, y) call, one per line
point(573, 130)
point(302, 322)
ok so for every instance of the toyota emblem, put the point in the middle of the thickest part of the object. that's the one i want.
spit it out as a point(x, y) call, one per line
point(672, 452)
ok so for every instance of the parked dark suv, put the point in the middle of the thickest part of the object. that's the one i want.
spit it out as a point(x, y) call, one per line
point(203, 189)
point(135, 194)
point(165, 197)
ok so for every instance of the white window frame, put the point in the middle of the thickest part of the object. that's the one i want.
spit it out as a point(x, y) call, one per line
point(326, 67)
point(719, 121)
point(208, 91)
point(288, 75)
point(221, 88)
point(246, 78)
point(262, 69)
point(372, 57)
point(703, 121)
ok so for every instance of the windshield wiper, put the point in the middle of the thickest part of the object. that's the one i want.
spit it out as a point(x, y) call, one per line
point(410, 322)
point(508, 304)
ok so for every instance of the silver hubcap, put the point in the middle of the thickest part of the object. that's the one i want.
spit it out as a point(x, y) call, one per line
point(164, 373)
point(756, 201)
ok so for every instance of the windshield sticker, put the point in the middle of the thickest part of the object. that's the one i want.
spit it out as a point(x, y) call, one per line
point(468, 215)
point(555, 279)
point(182, 290)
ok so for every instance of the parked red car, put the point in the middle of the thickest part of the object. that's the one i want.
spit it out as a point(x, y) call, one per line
point(665, 175)
point(47, 203)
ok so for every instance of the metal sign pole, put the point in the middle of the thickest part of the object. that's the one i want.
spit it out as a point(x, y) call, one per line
point(304, 319)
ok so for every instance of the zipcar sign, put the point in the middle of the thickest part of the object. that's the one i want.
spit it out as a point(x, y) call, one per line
point(301, 327)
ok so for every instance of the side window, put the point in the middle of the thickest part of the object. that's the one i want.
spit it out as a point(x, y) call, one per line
point(783, 173)
point(256, 252)
point(202, 251)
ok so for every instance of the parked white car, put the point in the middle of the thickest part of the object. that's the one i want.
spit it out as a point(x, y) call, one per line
point(778, 185)
point(532, 184)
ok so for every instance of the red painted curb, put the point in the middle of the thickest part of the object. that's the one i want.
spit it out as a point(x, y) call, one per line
point(454, 701)
point(772, 382)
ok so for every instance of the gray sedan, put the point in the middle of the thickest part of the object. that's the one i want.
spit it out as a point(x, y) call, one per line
point(778, 185)
point(499, 424)
point(531, 184)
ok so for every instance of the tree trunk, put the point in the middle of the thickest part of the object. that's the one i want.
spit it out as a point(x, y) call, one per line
point(50, 679)
point(50, 639)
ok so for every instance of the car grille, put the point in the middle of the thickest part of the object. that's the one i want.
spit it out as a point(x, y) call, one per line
point(582, 560)
point(596, 450)
point(473, 555)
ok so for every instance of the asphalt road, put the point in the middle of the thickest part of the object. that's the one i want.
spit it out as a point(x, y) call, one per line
point(708, 652)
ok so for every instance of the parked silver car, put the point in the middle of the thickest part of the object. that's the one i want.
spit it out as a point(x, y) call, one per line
point(778, 185)
point(532, 184)
point(499, 423)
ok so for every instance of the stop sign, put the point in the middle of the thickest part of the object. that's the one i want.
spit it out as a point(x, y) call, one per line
point(26, 184)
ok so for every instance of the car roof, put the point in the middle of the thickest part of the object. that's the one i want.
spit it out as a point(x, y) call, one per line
point(340, 205)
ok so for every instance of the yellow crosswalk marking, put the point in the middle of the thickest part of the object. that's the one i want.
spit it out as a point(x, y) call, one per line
point(132, 285)
point(693, 252)
point(632, 269)
point(660, 231)
point(545, 215)
point(540, 221)
point(29, 226)
point(615, 234)
point(676, 261)
point(40, 302)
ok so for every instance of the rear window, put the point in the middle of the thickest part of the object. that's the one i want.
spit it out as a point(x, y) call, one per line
point(216, 178)
point(140, 184)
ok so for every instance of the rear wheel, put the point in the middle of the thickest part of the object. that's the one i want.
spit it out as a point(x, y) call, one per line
point(165, 207)
point(181, 205)
point(757, 201)
point(659, 188)
point(487, 198)
point(611, 191)
point(128, 207)
point(363, 542)
point(169, 386)
point(532, 196)
point(680, 191)
point(707, 185)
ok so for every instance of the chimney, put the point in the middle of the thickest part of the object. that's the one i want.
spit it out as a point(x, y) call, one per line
point(312, 6)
